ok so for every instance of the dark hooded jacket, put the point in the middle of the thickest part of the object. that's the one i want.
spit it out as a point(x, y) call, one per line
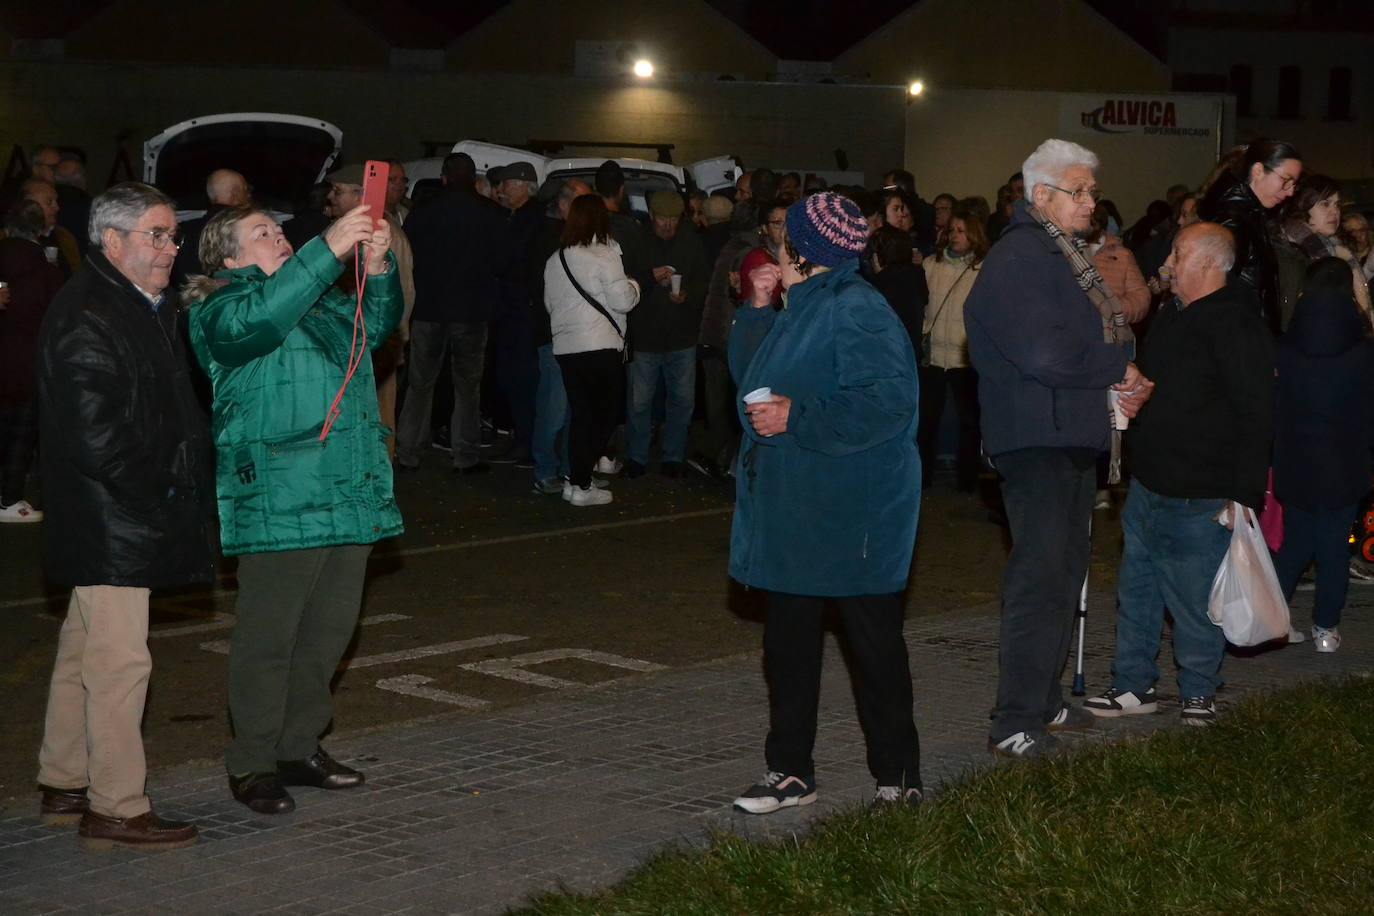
point(1231, 203)
point(1324, 416)
point(127, 464)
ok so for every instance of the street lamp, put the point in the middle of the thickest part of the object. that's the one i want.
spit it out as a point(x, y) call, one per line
point(643, 69)
point(916, 88)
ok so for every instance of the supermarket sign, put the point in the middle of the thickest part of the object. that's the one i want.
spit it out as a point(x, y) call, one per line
point(1138, 115)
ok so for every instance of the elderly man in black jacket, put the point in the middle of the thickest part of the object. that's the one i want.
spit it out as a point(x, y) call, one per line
point(127, 475)
point(1201, 442)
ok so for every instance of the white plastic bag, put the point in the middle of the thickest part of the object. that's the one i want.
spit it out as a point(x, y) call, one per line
point(1246, 601)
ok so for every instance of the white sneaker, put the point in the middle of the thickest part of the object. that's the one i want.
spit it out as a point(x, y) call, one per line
point(568, 487)
point(589, 496)
point(1295, 635)
point(608, 466)
point(1325, 639)
point(20, 513)
point(1103, 500)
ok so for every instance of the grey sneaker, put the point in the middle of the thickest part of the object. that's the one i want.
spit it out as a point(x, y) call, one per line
point(1024, 745)
point(1295, 635)
point(774, 791)
point(896, 797)
point(1200, 711)
point(1114, 703)
point(549, 486)
point(1325, 639)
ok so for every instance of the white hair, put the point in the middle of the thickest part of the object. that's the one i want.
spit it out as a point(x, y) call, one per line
point(1051, 160)
point(121, 206)
point(1218, 247)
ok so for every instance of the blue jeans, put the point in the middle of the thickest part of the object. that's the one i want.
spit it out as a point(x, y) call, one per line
point(1172, 550)
point(1319, 535)
point(549, 444)
point(678, 369)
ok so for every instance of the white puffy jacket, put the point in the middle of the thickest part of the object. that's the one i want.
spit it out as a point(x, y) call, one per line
point(577, 326)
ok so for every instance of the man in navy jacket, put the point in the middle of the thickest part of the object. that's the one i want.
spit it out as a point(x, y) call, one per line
point(1044, 368)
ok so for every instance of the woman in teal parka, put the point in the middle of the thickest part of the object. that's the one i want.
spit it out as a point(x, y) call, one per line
point(827, 496)
point(299, 508)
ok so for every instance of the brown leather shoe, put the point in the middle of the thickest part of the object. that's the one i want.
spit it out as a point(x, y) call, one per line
point(62, 806)
point(320, 771)
point(99, 833)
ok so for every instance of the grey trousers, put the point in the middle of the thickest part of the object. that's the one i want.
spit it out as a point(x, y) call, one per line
point(295, 615)
point(467, 345)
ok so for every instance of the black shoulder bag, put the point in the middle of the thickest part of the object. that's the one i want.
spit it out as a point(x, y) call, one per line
point(625, 348)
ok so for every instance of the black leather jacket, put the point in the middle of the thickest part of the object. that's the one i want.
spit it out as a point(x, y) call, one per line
point(127, 463)
point(1231, 203)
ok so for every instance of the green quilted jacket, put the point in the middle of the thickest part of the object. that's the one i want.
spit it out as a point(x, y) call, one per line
point(276, 350)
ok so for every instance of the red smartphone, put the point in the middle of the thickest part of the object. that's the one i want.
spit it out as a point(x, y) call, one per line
point(374, 188)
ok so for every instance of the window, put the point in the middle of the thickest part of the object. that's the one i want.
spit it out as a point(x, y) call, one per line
point(1290, 92)
point(1338, 94)
point(1240, 86)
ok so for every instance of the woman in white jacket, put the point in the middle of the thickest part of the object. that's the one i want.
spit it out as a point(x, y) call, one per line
point(588, 297)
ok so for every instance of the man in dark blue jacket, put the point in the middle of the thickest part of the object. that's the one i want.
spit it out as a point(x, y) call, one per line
point(459, 242)
point(1202, 442)
point(1044, 366)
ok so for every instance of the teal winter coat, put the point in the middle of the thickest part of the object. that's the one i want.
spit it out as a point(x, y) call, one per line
point(276, 350)
point(828, 507)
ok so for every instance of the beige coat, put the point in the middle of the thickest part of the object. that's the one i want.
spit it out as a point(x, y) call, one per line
point(949, 283)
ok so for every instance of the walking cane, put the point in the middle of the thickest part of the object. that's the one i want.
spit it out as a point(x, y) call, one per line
point(1082, 615)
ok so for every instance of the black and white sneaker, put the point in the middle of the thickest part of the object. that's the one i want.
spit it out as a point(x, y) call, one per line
point(1114, 703)
point(1024, 745)
point(776, 790)
point(1199, 711)
point(1070, 719)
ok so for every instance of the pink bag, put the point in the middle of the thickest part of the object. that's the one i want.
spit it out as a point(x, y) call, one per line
point(1271, 516)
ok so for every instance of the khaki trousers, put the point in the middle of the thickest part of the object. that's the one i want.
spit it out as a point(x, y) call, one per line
point(93, 732)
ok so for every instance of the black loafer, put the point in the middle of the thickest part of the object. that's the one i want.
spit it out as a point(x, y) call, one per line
point(262, 792)
point(319, 771)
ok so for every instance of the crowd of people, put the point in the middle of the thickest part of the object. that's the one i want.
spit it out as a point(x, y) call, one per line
point(283, 374)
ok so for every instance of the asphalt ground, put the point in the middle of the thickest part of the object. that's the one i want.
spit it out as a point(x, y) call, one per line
point(494, 597)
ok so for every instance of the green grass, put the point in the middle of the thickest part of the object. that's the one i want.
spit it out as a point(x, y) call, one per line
point(1272, 811)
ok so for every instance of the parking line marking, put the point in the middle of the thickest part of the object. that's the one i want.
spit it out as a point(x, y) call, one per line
point(411, 685)
point(226, 621)
point(439, 548)
point(221, 647)
point(512, 667)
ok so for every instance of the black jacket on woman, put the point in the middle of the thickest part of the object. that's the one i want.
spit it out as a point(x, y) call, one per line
point(128, 481)
point(1324, 415)
point(1231, 203)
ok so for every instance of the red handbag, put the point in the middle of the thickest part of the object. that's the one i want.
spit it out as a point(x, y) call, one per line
point(1271, 516)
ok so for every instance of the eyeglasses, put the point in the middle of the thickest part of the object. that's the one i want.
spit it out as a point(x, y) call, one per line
point(1082, 195)
point(160, 237)
point(1288, 182)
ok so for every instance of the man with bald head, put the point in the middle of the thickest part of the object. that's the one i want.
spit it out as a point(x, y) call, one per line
point(224, 188)
point(1200, 443)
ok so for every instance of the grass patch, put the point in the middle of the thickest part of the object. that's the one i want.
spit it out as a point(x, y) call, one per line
point(1272, 811)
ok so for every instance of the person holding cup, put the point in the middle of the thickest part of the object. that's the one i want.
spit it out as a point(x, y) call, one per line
point(827, 496)
point(663, 338)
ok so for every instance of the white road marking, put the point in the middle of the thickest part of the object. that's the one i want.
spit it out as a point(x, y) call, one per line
point(437, 548)
point(226, 621)
point(410, 685)
point(221, 647)
point(512, 667)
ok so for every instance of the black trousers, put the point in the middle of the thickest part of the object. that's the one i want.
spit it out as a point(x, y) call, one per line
point(1049, 498)
point(962, 385)
point(595, 382)
point(792, 643)
point(18, 438)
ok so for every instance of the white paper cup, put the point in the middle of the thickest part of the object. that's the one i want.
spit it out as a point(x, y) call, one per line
point(1119, 419)
point(50, 252)
point(759, 395)
point(677, 284)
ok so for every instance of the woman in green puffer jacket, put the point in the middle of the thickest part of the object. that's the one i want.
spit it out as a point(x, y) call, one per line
point(301, 509)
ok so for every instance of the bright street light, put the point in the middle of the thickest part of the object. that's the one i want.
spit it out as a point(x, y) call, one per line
point(916, 87)
point(643, 69)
